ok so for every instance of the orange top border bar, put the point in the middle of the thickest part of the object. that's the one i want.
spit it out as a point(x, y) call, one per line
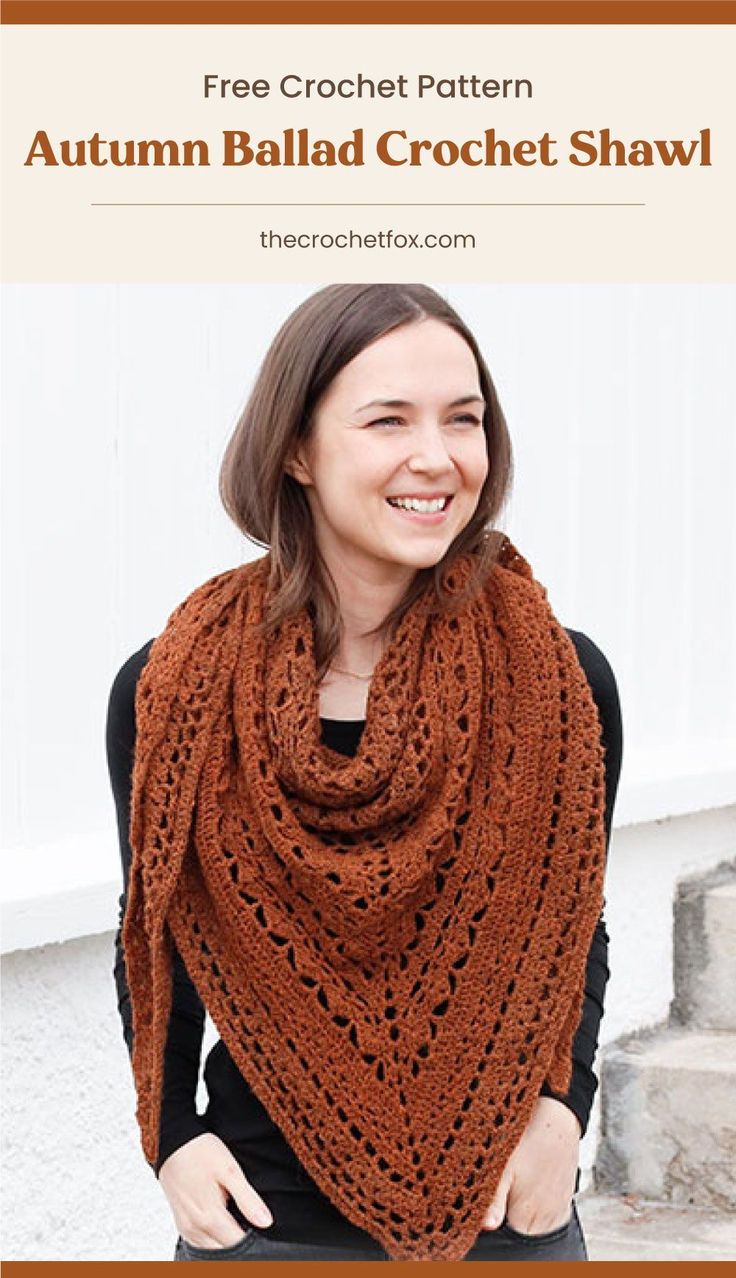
point(347, 12)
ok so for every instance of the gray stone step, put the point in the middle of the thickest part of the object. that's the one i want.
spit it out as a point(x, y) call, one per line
point(631, 1228)
point(669, 1118)
point(705, 951)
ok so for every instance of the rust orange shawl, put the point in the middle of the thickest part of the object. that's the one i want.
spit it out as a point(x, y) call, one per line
point(392, 946)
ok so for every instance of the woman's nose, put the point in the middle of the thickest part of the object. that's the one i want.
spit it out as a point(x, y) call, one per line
point(429, 451)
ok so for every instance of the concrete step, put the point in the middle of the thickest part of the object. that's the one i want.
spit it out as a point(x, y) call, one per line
point(632, 1228)
point(705, 951)
point(669, 1118)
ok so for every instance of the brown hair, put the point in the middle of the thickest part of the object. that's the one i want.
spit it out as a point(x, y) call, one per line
point(270, 507)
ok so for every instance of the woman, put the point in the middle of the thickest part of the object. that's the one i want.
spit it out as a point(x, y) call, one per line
point(372, 788)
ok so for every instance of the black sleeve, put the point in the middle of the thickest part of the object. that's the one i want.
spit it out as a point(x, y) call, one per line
point(584, 1083)
point(179, 1119)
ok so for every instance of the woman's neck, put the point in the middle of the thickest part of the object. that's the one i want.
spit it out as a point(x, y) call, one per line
point(367, 593)
point(344, 688)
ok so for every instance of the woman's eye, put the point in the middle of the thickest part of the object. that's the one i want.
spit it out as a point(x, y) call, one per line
point(467, 419)
point(459, 419)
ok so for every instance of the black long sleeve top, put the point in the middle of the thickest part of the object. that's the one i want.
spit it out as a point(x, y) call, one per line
point(234, 1113)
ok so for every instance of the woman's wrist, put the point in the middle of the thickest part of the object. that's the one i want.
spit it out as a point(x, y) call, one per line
point(554, 1110)
point(177, 1131)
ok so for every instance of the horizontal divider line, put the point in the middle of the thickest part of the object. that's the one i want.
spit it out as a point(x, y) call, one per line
point(380, 204)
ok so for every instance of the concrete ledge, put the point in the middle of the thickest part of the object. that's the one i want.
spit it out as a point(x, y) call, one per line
point(669, 1119)
point(705, 951)
point(631, 1228)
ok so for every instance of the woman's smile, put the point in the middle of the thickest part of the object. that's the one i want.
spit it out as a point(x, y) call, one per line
point(431, 509)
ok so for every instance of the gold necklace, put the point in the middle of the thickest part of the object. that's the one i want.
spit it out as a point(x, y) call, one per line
point(352, 673)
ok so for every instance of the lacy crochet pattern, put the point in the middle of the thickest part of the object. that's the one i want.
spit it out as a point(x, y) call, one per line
point(392, 946)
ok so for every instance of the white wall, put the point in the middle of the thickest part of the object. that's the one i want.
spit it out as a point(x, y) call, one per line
point(119, 401)
point(118, 404)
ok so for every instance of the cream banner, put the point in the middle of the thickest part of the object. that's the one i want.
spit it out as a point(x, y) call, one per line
point(267, 153)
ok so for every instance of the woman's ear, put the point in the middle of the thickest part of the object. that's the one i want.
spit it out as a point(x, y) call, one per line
point(297, 467)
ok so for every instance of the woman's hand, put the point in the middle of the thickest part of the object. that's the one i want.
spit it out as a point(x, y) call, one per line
point(538, 1181)
point(197, 1180)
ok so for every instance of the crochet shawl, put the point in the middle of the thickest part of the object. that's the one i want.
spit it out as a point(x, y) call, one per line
point(392, 945)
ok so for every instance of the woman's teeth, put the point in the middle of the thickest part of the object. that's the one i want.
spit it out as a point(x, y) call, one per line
point(414, 503)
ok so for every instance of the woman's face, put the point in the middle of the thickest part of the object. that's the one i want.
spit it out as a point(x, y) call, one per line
point(402, 422)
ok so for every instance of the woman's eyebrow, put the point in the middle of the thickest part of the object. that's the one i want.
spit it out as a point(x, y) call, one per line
point(407, 403)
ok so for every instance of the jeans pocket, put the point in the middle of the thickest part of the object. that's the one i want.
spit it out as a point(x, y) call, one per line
point(188, 1251)
point(551, 1235)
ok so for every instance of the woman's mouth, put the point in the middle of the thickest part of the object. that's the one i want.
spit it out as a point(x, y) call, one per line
point(423, 510)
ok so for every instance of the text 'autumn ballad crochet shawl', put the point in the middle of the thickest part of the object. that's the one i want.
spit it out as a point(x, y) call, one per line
point(391, 945)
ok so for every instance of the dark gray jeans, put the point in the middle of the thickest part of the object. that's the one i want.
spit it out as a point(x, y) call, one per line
point(504, 1243)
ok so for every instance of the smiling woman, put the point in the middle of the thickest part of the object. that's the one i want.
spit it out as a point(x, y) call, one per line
point(393, 480)
point(384, 395)
point(372, 788)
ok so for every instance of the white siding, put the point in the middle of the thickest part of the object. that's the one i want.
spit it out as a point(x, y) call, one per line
point(119, 401)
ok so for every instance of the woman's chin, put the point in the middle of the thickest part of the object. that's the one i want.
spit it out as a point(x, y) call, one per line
point(422, 557)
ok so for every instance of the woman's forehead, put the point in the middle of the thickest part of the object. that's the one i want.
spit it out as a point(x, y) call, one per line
point(418, 360)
